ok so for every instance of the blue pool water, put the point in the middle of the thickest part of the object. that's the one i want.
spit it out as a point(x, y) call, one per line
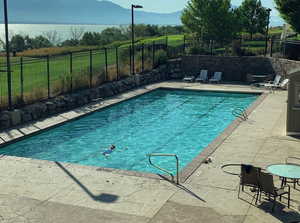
point(162, 121)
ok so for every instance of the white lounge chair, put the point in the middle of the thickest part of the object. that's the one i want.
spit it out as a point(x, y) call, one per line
point(189, 78)
point(275, 82)
point(216, 78)
point(202, 76)
point(282, 85)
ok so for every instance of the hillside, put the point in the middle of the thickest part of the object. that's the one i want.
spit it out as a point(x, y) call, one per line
point(81, 12)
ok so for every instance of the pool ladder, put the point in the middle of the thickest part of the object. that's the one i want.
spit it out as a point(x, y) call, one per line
point(240, 113)
point(164, 170)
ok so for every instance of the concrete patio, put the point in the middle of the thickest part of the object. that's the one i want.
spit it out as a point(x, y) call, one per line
point(43, 191)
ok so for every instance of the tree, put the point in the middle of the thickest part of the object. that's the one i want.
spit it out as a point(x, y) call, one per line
point(17, 43)
point(76, 33)
point(53, 37)
point(90, 39)
point(110, 35)
point(290, 12)
point(254, 16)
point(211, 19)
point(40, 42)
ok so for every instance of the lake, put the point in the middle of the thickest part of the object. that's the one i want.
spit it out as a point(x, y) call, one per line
point(63, 30)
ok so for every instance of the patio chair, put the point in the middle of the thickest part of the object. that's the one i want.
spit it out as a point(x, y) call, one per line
point(266, 186)
point(281, 85)
point(216, 78)
point(202, 76)
point(275, 82)
point(249, 177)
point(189, 78)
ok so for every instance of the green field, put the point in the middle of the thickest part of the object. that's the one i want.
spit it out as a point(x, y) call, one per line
point(61, 79)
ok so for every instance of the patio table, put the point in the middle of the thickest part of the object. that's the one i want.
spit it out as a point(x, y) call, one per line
point(286, 171)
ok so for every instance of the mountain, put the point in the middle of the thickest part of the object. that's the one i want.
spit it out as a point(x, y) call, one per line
point(81, 12)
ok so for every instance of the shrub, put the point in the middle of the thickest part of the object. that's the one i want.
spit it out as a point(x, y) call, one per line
point(237, 49)
point(197, 50)
point(160, 57)
point(124, 55)
point(256, 36)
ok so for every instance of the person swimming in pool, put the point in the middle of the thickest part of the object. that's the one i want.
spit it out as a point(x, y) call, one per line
point(109, 151)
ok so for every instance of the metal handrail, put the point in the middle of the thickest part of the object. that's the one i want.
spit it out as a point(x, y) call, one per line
point(164, 170)
point(240, 113)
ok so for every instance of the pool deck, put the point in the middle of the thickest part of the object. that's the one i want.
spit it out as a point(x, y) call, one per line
point(44, 191)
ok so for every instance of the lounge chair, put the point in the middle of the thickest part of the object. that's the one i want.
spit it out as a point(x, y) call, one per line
point(282, 85)
point(216, 78)
point(266, 186)
point(202, 76)
point(189, 78)
point(275, 82)
point(249, 177)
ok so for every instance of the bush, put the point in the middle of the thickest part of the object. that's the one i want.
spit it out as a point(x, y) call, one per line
point(254, 52)
point(237, 49)
point(160, 57)
point(197, 50)
point(124, 55)
point(256, 36)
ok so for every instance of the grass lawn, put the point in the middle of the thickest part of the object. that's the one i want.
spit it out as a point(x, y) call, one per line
point(35, 75)
point(35, 70)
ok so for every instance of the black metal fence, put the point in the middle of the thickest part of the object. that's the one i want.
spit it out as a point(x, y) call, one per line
point(237, 47)
point(35, 79)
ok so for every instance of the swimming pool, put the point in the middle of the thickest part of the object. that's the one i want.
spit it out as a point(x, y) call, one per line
point(163, 121)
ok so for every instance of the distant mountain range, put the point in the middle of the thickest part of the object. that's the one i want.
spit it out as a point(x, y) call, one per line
point(88, 12)
point(81, 12)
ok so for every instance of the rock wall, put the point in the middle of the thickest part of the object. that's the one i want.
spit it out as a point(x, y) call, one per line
point(285, 67)
point(67, 102)
point(237, 68)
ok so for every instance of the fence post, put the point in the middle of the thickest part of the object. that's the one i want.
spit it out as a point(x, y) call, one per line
point(130, 60)
point(22, 79)
point(143, 47)
point(167, 51)
point(48, 75)
point(91, 68)
point(184, 44)
point(117, 62)
point(211, 47)
point(71, 72)
point(272, 42)
point(106, 64)
point(153, 54)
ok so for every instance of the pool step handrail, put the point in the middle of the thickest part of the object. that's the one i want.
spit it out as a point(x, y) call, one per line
point(164, 170)
point(240, 113)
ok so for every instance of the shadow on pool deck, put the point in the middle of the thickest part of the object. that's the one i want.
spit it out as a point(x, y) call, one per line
point(106, 198)
point(182, 187)
point(282, 214)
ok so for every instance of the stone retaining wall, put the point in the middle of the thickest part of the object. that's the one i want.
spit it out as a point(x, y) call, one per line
point(237, 68)
point(67, 102)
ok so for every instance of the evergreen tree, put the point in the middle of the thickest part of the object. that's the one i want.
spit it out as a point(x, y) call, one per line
point(290, 12)
point(211, 19)
point(254, 17)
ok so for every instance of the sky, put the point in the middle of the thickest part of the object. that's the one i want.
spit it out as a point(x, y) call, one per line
point(166, 6)
point(172, 5)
